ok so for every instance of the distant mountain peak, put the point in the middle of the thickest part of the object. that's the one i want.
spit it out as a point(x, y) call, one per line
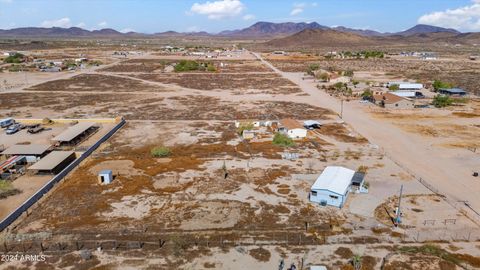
point(426, 29)
point(263, 29)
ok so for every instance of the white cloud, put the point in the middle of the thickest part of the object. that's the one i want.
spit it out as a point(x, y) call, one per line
point(219, 9)
point(462, 18)
point(300, 7)
point(102, 24)
point(249, 17)
point(63, 22)
point(126, 30)
point(81, 25)
point(297, 8)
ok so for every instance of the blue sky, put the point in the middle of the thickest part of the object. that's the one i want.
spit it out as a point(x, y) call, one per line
point(149, 16)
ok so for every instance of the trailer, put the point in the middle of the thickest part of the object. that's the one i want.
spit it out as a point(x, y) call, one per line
point(6, 122)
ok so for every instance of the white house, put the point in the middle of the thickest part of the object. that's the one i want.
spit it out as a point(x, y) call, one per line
point(292, 128)
point(333, 185)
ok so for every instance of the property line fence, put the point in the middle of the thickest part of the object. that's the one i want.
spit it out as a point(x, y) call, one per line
point(456, 203)
point(179, 240)
point(57, 178)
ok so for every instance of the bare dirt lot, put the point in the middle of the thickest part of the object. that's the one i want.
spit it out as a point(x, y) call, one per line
point(269, 83)
point(96, 83)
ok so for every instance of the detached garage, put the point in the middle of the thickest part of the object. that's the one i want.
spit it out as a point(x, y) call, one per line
point(332, 186)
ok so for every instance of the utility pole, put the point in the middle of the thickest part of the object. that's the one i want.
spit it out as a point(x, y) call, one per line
point(398, 217)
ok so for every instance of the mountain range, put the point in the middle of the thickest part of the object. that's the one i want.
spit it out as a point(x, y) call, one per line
point(257, 30)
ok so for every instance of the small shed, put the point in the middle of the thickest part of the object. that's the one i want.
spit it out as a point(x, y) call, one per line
point(332, 186)
point(105, 177)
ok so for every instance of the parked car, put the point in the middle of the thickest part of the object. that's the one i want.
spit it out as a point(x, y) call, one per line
point(35, 129)
point(13, 129)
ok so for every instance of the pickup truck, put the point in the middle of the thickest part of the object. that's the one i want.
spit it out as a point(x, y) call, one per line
point(35, 129)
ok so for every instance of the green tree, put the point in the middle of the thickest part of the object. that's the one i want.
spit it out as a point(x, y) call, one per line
point(367, 94)
point(440, 101)
point(14, 59)
point(186, 65)
point(283, 140)
point(439, 84)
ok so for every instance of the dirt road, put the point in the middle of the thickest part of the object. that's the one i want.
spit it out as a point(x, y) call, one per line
point(449, 171)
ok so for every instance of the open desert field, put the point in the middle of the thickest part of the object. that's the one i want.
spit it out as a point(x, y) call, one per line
point(217, 200)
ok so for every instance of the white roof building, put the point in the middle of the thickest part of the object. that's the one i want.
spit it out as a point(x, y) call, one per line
point(335, 179)
point(332, 186)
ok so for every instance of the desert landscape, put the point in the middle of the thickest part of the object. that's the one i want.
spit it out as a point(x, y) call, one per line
point(260, 148)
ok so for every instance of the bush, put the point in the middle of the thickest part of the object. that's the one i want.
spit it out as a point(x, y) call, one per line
point(14, 59)
point(440, 101)
point(186, 65)
point(439, 84)
point(367, 94)
point(394, 87)
point(282, 140)
point(242, 127)
point(160, 151)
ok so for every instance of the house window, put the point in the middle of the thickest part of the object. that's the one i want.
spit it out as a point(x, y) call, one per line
point(314, 193)
point(334, 197)
point(396, 105)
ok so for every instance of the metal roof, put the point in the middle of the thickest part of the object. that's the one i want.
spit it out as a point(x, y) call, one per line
point(311, 123)
point(290, 123)
point(410, 86)
point(50, 161)
point(27, 150)
point(453, 90)
point(335, 179)
point(73, 131)
point(404, 93)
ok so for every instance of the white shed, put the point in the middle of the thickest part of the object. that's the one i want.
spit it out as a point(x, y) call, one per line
point(332, 186)
point(292, 128)
point(105, 177)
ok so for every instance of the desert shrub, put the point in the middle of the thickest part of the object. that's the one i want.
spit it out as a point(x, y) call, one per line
point(441, 101)
point(281, 139)
point(242, 127)
point(160, 151)
point(16, 58)
point(439, 84)
point(394, 87)
point(186, 65)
